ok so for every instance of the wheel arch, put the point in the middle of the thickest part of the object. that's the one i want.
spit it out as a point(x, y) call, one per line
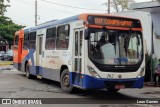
point(25, 65)
point(63, 67)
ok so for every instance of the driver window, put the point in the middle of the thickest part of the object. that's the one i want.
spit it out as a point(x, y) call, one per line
point(122, 45)
point(133, 47)
point(103, 45)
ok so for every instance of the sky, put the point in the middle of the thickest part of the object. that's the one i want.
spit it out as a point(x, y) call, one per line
point(23, 11)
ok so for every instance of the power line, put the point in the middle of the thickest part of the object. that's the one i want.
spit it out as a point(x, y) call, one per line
point(71, 6)
point(62, 5)
point(50, 9)
point(22, 1)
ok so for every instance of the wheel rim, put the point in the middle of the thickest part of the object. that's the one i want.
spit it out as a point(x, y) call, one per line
point(65, 80)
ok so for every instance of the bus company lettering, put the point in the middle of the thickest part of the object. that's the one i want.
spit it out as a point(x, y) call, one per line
point(52, 61)
point(113, 22)
point(50, 56)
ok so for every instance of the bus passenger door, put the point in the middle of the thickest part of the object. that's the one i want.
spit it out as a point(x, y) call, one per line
point(78, 56)
point(39, 55)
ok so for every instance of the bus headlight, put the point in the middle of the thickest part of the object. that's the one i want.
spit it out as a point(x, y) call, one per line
point(93, 72)
point(141, 72)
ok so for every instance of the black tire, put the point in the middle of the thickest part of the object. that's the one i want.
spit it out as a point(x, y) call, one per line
point(112, 90)
point(27, 70)
point(65, 81)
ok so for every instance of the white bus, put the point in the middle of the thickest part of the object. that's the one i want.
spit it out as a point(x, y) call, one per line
point(87, 51)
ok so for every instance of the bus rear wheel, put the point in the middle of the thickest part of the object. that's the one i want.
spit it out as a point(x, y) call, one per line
point(112, 90)
point(65, 81)
point(28, 75)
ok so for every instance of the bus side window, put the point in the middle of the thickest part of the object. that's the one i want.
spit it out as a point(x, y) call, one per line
point(32, 40)
point(26, 41)
point(62, 37)
point(50, 38)
point(16, 42)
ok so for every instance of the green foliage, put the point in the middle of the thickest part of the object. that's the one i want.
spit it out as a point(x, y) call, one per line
point(120, 5)
point(3, 6)
point(8, 28)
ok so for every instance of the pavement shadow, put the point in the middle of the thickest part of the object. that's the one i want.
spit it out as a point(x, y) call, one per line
point(153, 92)
point(93, 94)
point(102, 94)
point(43, 81)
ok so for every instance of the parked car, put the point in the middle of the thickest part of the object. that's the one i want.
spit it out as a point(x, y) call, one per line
point(1, 54)
point(7, 56)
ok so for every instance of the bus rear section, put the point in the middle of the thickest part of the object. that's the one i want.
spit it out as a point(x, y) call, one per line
point(17, 49)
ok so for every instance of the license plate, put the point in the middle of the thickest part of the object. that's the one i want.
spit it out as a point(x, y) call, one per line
point(119, 86)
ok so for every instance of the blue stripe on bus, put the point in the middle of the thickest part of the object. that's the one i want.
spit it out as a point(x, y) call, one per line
point(29, 56)
point(94, 83)
point(35, 70)
point(89, 82)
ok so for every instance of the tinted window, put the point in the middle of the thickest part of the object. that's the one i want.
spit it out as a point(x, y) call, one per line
point(32, 40)
point(62, 37)
point(26, 41)
point(115, 47)
point(50, 38)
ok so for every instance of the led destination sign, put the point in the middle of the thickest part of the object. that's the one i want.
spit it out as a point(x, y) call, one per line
point(114, 21)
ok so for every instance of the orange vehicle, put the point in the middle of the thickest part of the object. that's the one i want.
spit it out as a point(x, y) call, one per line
point(87, 51)
point(18, 43)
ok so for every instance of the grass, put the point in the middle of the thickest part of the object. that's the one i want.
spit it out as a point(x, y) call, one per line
point(2, 63)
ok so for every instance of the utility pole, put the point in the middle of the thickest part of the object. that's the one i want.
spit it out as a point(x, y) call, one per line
point(35, 12)
point(109, 6)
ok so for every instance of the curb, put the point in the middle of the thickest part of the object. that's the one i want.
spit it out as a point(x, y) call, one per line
point(4, 63)
point(150, 84)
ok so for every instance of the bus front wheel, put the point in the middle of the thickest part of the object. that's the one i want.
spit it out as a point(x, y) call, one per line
point(65, 81)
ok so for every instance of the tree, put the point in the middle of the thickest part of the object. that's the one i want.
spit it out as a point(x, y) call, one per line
point(120, 5)
point(8, 28)
point(3, 6)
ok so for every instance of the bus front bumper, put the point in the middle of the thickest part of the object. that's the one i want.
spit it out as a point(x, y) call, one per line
point(90, 82)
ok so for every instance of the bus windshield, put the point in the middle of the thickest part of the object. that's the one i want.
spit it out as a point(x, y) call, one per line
point(115, 47)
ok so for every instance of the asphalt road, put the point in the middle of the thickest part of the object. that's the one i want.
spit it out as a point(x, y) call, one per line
point(13, 84)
